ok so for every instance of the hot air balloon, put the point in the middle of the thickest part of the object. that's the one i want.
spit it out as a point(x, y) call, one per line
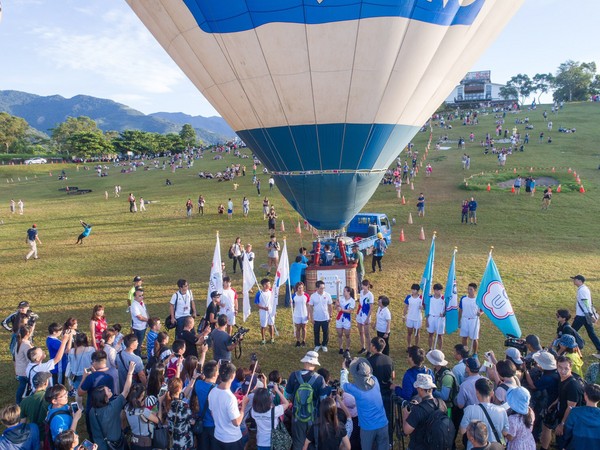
point(326, 93)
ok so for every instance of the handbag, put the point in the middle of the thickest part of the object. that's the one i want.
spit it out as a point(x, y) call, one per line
point(198, 427)
point(280, 438)
point(160, 437)
point(168, 323)
point(119, 444)
point(591, 315)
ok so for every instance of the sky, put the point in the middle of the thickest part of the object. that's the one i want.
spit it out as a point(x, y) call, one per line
point(100, 48)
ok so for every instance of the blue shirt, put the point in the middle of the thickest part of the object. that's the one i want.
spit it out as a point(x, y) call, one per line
point(379, 247)
point(582, 429)
point(202, 388)
point(472, 205)
point(59, 422)
point(150, 339)
point(297, 269)
point(408, 391)
point(369, 404)
point(86, 231)
point(32, 234)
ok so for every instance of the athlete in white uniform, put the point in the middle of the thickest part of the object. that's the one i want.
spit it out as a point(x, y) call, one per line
point(470, 317)
point(345, 306)
point(363, 317)
point(300, 316)
point(436, 320)
point(413, 305)
point(229, 303)
point(264, 301)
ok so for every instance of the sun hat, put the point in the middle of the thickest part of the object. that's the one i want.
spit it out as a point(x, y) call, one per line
point(545, 360)
point(472, 364)
point(518, 399)
point(362, 374)
point(311, 357)
point(566, 340)
point(424, 381)
point(436, 357)
point(514, 355)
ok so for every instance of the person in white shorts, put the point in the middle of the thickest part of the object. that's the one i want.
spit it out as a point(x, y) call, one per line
point(470, 318)
point(343, 323)
point(363, 315)
point(413, 305)
point(229, 303)
point(264, 300)
point(383, 322)
point(436, 320)
point(300, 316)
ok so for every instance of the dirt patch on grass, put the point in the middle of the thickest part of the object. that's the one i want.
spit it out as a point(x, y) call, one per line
point(540, 181)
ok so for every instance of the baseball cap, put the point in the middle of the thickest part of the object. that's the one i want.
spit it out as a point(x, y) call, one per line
point(137, 278)
point(40, 378)
point(514, 354)
point(23, 304)
point(214, 294)
point(579, 277)
point(472, 364)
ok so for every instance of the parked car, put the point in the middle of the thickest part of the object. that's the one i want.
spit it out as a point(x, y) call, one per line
point(35, 161)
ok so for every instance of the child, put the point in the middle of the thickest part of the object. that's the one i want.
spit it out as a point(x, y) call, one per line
point(249, 255)
point(175, 362)
point(154, 325)
point(118, 342)
point(413, 304)
point(300, 315)
point(53, 342)
point(436, 318)
point(264, 300)
point(384, 322)
point(363, 317)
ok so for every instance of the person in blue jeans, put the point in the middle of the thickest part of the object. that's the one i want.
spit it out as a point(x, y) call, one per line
point(584, 306)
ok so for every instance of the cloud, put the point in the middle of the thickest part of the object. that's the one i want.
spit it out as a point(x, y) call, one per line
point(119, 51)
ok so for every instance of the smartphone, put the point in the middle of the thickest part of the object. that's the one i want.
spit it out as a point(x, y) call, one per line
point(487, 364)
point(163, 390)
point(74, 407)
point(88, 370)
point(87, 445)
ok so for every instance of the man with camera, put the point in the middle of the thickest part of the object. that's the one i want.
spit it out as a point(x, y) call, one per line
point(221, 341)
point(416, 415)
point(13, 322)
point(383, 370)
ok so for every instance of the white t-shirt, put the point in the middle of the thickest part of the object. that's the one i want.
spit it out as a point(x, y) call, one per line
point(300, 309)
point(437, 306)
point(583, 293)
point(33, 368)
point(184, 303)
point(383, 317)
point(320, 305)
point(137, 309)
point(224, 408)
point(415, 304)
point(228, 297)
point(469, 307)
point(263, 425)
point(250, 257)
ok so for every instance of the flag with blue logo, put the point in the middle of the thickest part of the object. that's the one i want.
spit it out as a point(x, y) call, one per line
point(493, 300)
point(451, 298)
point(426, 281)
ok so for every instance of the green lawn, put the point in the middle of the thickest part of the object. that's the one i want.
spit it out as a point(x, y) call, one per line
point(536, 251)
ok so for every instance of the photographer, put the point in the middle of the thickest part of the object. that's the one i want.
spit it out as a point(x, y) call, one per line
point(221, 341)
point(22, 316)
point(416, 416)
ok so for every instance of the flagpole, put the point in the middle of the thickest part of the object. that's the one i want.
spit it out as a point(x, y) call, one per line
point(478, 315)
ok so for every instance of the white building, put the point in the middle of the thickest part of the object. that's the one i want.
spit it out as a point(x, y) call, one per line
point(477, 87)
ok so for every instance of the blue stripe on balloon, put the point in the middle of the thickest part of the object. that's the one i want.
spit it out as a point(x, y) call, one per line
point(332, 146)
point(231, 16)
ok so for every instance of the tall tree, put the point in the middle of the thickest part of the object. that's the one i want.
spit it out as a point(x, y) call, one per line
point(71, 126)
point(523, 85)
point(573, 80)
point(509, 92)
point(188, 135)
point(595, 85)
point(12, 129)
point(542, 82)
point(86, 144)
point(135, 141)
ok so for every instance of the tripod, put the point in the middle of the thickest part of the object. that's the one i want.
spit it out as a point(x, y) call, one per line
point(397, 431)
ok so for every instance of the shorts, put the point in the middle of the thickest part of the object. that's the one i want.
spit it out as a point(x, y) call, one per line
point(230, 211)
point(469, 328)
point(343, 324)
point(300, 320)
point(436, 324)
point(472, 214)
point(230, 317)
point(420, 208)
point(361, 319)
point(266, 319)
point(415, 324)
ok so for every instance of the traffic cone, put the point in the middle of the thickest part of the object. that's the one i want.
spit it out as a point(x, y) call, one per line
point(569, 171)
point(559, 188)
point(578, 180)
point(515, 170)
point(402, 239)
point(581, 189)
point(531, 169)
point(410, 221)
point(489, 188)
point(403, 200)
point(553, 170)
point(412, 186)
point(282, 227)
point(298, 228)
point(512, 190)
point(422, 235)
point(306, 225)
point(574, 174)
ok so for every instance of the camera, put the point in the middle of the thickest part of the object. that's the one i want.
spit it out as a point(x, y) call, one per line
point(202, 325)
point(239, 334)
point(335, 387)
point(519, 344)
point(32, 318)
point(347, 358)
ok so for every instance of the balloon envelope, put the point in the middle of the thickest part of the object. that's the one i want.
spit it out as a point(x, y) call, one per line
point(327, 93)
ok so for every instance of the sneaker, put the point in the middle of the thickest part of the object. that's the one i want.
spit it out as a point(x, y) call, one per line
point(297, 343)
point(272, 341)
point(303, 344)
point(127, 310)
point(325, 349)
point(362, 350)
point(263, 342)
point(317, 348)
point(341, 352)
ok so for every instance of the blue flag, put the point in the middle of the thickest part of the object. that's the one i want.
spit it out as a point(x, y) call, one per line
point(493, 300)
point(451, 298)
point(426, 281)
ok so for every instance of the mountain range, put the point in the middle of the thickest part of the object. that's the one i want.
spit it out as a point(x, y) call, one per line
point(45, 113)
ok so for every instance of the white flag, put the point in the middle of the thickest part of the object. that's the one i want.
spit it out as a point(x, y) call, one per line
point(282, 276)
point(215, 283)
point(248, 284)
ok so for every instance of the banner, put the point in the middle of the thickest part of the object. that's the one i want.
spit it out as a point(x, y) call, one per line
point(451, 295)
point(426, 281)
point(215, 283)
point(493, 300)
point(282, 276)
point(248, 283)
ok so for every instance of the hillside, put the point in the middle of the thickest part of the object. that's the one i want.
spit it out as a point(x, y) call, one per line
point(44, 113)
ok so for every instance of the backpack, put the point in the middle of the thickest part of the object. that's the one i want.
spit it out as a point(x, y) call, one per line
point(455, 387)
point(48, 442)
point(440, 430)
point(29, 388)
point(230, 253)
point(304, 399)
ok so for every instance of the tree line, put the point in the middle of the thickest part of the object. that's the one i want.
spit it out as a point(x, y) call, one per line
point(574, 81)
point(80, 137)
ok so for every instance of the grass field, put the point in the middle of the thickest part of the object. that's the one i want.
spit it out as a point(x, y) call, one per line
point(536, 251)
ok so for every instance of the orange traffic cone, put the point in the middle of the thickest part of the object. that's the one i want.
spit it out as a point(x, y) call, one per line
point(559, 188)
point(581, 189)
point(298, 228)
point(403, 200)
point(489, 188)
point(306, 225)
point(412, 186)
point(553, 170)
point(402, 239)
point(410, 221)
point(574, 174)
point(512, 190)
point(578, 180)
point(531, 169)
point(422, 235)
point(282, 227)
point(569, 171)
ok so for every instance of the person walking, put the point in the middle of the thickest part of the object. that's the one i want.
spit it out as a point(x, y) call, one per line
point(189, 207)
point(379, 249)
point(201, 203)
point(32, 239)
point(584, 310)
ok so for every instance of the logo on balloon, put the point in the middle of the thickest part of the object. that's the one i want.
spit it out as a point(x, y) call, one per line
point(496, 301)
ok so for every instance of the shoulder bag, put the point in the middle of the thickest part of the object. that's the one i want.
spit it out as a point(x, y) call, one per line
point(499, 438)
point(591, 315)
point(168, 323)
point(112, 445)
point(280, 438)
